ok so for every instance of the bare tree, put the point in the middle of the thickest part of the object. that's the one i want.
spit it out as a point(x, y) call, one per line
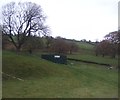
point(23, 20)
point(33, 43)
point(102, 48)
point(105, 47)
point(49, 41)
point(60, 46)
point(119, 42)
point(73, 47)
point(113, 37)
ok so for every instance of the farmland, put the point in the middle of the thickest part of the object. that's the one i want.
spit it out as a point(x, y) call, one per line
point(44, 79)
point(36, 64)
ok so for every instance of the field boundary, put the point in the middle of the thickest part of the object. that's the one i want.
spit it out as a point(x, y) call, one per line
point(103, 64)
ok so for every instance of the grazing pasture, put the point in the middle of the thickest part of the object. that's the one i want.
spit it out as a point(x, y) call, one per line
point(45, 79)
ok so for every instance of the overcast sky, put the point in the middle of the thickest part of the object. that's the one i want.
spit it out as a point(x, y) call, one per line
point(79, 19)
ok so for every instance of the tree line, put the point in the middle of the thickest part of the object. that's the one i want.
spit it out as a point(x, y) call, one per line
point(24, 23)
point(49, 44)
point(109, 46)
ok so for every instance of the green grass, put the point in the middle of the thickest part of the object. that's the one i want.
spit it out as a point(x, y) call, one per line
point(50, 87)
point(44, 79)
point(84, 45)
point(29, 65)
point(85, 48)
point(98, 59)
point(87, 53)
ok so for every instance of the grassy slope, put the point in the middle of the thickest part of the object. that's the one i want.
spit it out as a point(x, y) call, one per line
point(46, 79)
point(84, 45)
point(28, 66)
point(99, 59)
point(87, 53)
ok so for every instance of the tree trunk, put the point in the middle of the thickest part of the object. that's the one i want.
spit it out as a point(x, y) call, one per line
point(18, 49)
point(70, 51)
point(113, 56)
point(103, 55)
point(30, 51)
point(96, 54)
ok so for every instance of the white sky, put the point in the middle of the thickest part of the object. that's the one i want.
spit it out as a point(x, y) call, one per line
point(79, 19)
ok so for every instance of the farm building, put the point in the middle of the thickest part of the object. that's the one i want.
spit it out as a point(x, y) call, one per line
point(61, 59)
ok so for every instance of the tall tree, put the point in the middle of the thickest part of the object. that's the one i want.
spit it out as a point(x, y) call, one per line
point(73, 47)
point(33, 43)
point(119, 41)
point(60, 46)
point(105, 47)
point(22, 20)
point(113, 37)
point(0, 37)
point(49, 41)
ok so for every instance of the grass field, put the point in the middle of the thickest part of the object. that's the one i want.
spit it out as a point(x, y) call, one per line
point(44, 79)
point(98, 59)
point(87, 53)
point(84, 45)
